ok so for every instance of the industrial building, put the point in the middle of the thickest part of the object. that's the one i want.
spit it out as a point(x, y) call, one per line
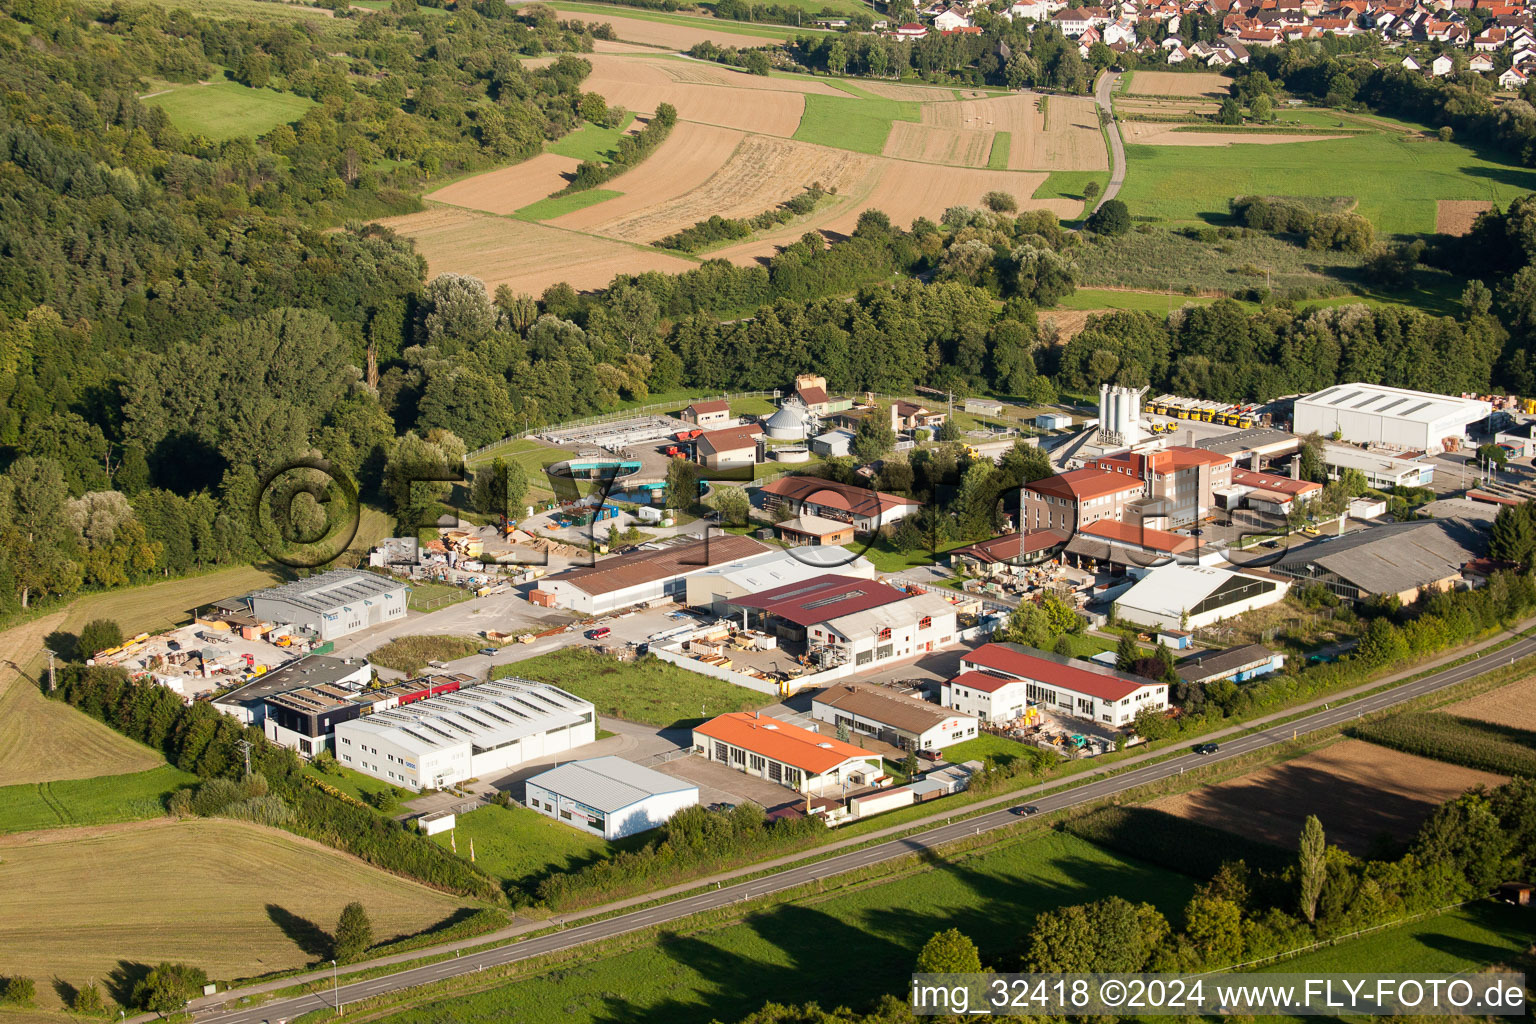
point(805, 761)
point(1266, 492)
point(247, 704)
point(1375, 414)
point(1195, 596)
point(609, 796)
point(890, 717)
point(1238, 664)
point(715, 586)
point(306, 719)
point(1382, 470)
point(729, 447)
point(843, 620)
point(476, 732)
point(997, 682)
point(1395, 559)
point(624, 581)
point(330, 604)
point(866, 509)
point(814, 531)
point(707, 414)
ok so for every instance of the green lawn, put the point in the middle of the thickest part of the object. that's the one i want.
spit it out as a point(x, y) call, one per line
point(520, 846)
point(848, 949)
point(590, 142)
point(1001, 749)
point(99, 801)
point(1069, 184)
point(557, 206)
point(228, 110)
point(647, 691)
point(1396, 178)
point(853, 122)
point(426, 596)
point(353, 783)
point(886, 559)
point(997, 159)
point(1462, 940)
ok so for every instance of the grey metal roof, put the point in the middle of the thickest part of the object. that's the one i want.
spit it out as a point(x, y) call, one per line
point(607, 784)
point(487, 716)
point(314, 670)
point(1215, 664)
point(330, 590)
point(1396, 557)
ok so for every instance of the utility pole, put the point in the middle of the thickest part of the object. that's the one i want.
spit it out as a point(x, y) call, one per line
point(335, 988)
point(245, 747)
point(53, 680)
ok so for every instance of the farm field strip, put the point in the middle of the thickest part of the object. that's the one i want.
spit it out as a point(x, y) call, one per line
point(1179, 83)
point(1168, 134)
point(953, 147)
point(676, 32)
point(1358, 789)
point(1513, 705)
point(524, 256)
point(510, 188)
point(760, 174)
point(156, 891)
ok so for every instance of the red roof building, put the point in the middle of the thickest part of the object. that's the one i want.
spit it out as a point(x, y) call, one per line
point(867, 509)
point(805, 761)
point(997, 682)
point(819, 599)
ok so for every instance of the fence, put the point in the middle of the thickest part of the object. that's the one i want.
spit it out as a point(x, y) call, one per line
point(653, 409)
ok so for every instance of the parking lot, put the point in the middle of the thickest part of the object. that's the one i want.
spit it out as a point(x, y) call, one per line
point(720, 784)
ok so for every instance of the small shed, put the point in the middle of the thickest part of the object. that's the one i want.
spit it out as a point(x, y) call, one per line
point(440, 821)
point(1053, 421)
point(1178, 639)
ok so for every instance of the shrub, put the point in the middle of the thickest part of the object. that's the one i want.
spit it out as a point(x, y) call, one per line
point(168, 988)
point(87, 1001)
point(1110, 219)
point(412, 653)
point(354, 933)
point(99, 635)
point(19, 991)
point(1000, 202)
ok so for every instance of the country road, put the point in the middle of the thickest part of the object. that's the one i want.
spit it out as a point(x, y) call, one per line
point(1101, 95)
point(288, 1008)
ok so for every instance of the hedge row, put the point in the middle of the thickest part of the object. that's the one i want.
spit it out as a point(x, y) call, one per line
point(718, 229)
point(632, 149)
point(1463, 741)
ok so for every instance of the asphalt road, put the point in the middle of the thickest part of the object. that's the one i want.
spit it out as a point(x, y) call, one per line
point(287, 1009)
point(1101, 94)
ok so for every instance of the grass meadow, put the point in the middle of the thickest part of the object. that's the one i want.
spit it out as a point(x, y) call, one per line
point(1467, 939)
point(590, 142)
point(997, 159)
point(99, 801)
point(859, 122)
point(228, 110)
point(648, 691)
point(845, 949)
point(1397, 178)
point(519, 846)
point(557, 206)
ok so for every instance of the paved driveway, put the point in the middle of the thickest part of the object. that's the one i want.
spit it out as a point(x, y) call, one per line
point(718, 783)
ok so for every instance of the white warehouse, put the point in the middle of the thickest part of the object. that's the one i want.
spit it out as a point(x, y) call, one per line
point(1375, 414)
point(609, 796)
point(1195, 596)
point(479, 731)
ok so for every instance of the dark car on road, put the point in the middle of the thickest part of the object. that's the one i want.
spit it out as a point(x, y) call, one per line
point(1206, 748)
point(1026, 810)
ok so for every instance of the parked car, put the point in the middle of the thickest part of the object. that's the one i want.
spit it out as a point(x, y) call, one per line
point(489, 652)
point(930, 755)
point(598, 633)
point(1206, 748)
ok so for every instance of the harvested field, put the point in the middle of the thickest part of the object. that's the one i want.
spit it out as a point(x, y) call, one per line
point(1513, 706)
point(1361, 792)
point(77, 903)
point(642, 86)
point(1179, 83)
point(703, 73)
point(1069, 322)
point(44, 740)
point(1456, 216)
point(510, 188)
point(669, 35)
point(526, 257)
point(954, 147)
point(615, 46)
point(762, 173)
point(1019, 116)
point(920, 93)
point(690, 156)
point(906, 191)
point(1153, 134)
point(1071, 140)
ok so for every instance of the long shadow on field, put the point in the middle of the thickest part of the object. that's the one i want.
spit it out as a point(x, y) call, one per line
point(121, 980)
point(308, 936)
point(64, 990)
point(725, 974)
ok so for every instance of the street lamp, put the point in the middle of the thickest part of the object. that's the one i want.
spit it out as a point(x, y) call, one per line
point(335, 988)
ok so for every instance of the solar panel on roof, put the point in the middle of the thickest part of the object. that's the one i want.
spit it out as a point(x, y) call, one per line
point(1421, 405)
point(1395, 402)
point(1345, 398)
